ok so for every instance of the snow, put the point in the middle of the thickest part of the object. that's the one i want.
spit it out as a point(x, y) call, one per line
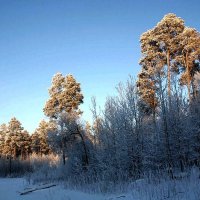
point(10, 189)
point(186, 188)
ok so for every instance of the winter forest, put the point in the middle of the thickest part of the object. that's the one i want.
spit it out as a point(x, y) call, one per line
point(148, 132)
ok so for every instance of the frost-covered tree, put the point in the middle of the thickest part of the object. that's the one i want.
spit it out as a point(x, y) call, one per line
point(189, 57)
point(161, 45)
point(35, 143)
point(65, 96)
point(17, 142)
point(165, 35)
point(63, 107)
point(118, 133)
point(40, 139)
point(168, 49)
point(25, 145)
point(3, 132)
point(147, 90)
point(12, 143)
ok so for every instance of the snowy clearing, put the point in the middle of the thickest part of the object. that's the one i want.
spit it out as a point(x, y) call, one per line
point(10, 189)
point(143, 189)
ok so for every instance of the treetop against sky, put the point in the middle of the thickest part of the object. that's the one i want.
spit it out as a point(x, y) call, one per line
point(96, 41)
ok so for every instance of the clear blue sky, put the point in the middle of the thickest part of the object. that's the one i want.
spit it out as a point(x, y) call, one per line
point(95, 40)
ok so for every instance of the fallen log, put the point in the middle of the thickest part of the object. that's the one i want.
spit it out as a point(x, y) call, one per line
point(119, 197)
point(36, 189)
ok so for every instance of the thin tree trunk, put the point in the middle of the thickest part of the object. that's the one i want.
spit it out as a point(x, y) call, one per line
point(189, 91)
point(194, 92)
point(154, 115)
point(166, 133)
point(63, 153)
point(63, 145)
point(10, 164)
point(168, 78)
point(188, 77)
point(84, 147)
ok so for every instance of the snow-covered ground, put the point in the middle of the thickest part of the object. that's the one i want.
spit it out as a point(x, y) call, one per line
point(10, 189)
point(187, 188)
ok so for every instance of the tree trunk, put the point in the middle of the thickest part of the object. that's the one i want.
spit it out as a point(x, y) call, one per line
point(63, 154)
point(63, 145)
point(188, 77)
point(168, 78)
point(154, 118)
point(15, 153)
point(10, 164)
point(84, 147)
point(168, 150)
point(166, 132)
point(194, 92)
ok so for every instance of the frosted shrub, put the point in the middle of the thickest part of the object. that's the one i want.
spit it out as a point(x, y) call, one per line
point(38, 161)
point(44, 168)
point(181, 189)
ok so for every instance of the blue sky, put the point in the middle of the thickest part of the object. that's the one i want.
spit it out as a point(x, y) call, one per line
point(95, 40)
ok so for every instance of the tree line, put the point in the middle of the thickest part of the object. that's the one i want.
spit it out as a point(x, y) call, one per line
point(15, 142)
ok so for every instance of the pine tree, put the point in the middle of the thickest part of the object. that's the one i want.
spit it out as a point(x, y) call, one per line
point(161, 45)
point(189, 57)
point(147, 87)
point(35, 143)
point(39, 139)
point(166, 36)
point(25, 144)
point(12, 145)
point(65, 96)
point(63, 107)
point(3, 132)
point(17, 141)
